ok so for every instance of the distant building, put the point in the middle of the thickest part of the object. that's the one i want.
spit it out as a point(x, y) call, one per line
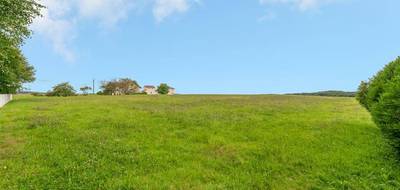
point(116, 92)
point(150, 90)
point(171, 91)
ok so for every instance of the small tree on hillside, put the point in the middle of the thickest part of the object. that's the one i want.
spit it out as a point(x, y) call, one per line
point(85, 90)
point(63, 89)
point(163, 88)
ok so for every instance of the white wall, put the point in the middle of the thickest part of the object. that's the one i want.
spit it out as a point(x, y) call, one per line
point(4, 99)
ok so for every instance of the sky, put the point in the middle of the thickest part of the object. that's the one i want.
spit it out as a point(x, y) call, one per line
point(215, 46)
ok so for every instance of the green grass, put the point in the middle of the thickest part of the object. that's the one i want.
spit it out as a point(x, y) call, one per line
point(192, 142)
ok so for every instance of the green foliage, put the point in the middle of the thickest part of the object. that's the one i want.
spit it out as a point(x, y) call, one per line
point(382, 99)
point(193, 142)
point(15, 17)
point(38, 94)
point(362, 92)
point(85, 90)
point(123, 86)
point(63, 89)
point(331, 93)
point(163, 88)
point(14, 68)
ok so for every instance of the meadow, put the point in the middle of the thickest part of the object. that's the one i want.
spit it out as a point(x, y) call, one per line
point(193, 142)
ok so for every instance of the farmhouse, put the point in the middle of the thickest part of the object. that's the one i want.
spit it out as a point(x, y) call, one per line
point(171, 91)
point(150, 90)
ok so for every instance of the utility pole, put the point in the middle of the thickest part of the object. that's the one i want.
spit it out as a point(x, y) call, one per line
point(93, 87)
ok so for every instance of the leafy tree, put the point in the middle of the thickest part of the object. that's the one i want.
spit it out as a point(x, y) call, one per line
point(85, 89)
point(163, 88)
point(63, 89)
point(382, 98)
point(14, 68)
point(123, 86)
point(15, 17)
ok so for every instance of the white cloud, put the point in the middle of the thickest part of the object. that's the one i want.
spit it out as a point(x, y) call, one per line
point(164, 8)
point(58, 30)
point(300, 4)
point(61, 18)
point(108, 12)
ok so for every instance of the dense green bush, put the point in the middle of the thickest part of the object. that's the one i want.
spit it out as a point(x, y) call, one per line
point(361, 95)
point(163, 88)
point(38, 94)
point(381, 96)
point(63, 89)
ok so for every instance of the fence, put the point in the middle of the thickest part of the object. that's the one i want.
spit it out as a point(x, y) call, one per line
point(4, 99)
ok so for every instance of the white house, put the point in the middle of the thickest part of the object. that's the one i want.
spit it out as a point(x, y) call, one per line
point(150, 90)
point(171, 91)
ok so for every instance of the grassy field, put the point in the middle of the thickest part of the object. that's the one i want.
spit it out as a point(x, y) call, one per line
point(192, 142)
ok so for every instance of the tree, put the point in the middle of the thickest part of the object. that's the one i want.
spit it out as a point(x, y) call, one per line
point(382, 98)
point(163, 88)
point(123, 86)
point(362, 92)
point(85, 89)
point(14, 68)
point(15, 17)
point(63, 89)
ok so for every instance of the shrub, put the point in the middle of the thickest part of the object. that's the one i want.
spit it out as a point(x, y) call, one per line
point(38, 94)
point(362, 92)
point(381, 96)
point(63, 89)
point(163, 88)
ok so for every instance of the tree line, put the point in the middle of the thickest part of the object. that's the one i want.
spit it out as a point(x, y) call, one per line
point(330, 93)
point(122, 86)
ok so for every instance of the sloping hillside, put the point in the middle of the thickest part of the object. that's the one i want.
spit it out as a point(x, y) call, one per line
point(192, 142)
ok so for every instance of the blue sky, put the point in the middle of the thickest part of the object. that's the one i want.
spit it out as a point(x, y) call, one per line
point(215, 46)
